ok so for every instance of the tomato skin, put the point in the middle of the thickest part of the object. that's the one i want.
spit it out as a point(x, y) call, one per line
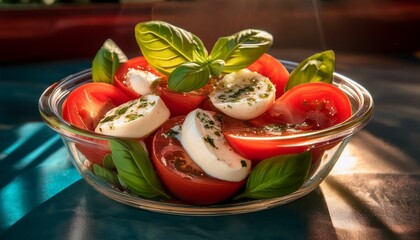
point(180, 103)
point(311, 106)
point(201, 190)
point(85, 106)
point(94, 152)
point(257, 150)
point(139, 63)
point(270, 67)
point(319, 105)
point(208, 106)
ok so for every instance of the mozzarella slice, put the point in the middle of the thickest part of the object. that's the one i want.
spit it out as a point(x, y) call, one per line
point(140, 81)
point(244, 94)
point(204, 142)
point(135, 119)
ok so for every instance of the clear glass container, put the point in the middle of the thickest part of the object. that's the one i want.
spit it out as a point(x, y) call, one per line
point(50, 105)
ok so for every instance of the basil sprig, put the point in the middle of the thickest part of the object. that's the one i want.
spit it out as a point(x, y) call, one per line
point(316, 68)
point(106, 61)
point(183, 57)
point(277, 176)
point(134, 169)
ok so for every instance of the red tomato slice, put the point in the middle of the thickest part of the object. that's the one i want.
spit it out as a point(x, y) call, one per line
point(270, 67)
point(180, 103)
point(85, 106)
point(181, 176)
point(95, 152)
point(307, 107)
point(120, 77)
point(314, 106)
point(255, 142)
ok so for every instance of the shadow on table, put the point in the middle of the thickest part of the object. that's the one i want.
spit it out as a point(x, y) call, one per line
point(97, 217)
point(33, 166)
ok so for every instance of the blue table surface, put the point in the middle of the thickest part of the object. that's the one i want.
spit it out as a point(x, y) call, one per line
point(372, 193)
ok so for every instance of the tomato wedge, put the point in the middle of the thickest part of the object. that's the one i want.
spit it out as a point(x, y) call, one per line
point(120, 77)
point(181, 176)
point(85, 106)
point(314, 106)
point(306, 107)
point(88, 103)
point(270, 67)
point(181, 103)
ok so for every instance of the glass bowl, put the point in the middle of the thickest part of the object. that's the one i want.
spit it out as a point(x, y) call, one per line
point(50, 105)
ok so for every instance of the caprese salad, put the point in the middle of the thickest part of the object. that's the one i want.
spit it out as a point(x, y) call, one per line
point(198, 127)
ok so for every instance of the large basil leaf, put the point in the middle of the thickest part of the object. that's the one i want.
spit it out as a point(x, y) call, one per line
point(134, 168)
point(200, 54)
point(316, 68)
point(106, 61)
point(277, 176)
point(241, 49)
point(165, 46)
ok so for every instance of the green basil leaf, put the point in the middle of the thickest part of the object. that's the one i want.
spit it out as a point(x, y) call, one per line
point(188, 77)
point(241, 49)
point(106, 61)
point(216, 67)
point(316, 68)
point(108, 163)
point(108, 175)
point(145, 190)
point(123, 161)
point(135, 169)
point(165, 46)
point(200, 53)
point(277, 176)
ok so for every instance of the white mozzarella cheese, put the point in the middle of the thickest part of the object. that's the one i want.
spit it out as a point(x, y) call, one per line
point(135, 119)
point(204, 142)
point(244, 94)
point(140, 81)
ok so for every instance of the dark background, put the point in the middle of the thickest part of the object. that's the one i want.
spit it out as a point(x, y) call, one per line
point(68, 30)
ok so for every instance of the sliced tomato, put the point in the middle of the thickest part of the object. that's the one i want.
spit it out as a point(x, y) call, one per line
point(181, 176)
point(306, 107)
point(270, 67)
point(85, 106)
point(181, 103)
point(314, 106)
point(95, 151)
point(208, 106)
point(256, 142)
point(120, 78)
